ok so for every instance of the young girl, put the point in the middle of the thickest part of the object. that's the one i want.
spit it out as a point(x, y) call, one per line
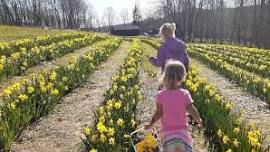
point(172, 48)
point(172, 105)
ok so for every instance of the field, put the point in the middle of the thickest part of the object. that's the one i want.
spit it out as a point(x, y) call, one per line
point(82, 91)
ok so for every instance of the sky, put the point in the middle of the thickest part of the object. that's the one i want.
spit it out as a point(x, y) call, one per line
point(118, 5)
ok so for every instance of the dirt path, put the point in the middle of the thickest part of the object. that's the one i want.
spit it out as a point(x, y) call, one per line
point(255, 109)
point(60, 131)
point(147, 107)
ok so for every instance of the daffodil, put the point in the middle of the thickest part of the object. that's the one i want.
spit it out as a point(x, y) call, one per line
point(102, 138)
point(93, 150)
point(55, 92)
point(225, 139)
point(101, 127)
point(111, 131)
point(236, 130)
point(111, 141)
point(117, 105)
point(30, 90)
point(120, 122)
point(23, 97)
point(53, 76)
point(219, 133)
point(236, 143)
point(87, 131)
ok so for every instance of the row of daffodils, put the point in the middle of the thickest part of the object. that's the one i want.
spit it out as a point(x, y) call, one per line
point(6, 48)
point(20, 61)
point(254, 83)
point(116, 118)
point(249, 62)
point(32, 97)
point(225, 131)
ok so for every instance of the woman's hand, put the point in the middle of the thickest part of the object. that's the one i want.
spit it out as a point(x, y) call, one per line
point(151, 60)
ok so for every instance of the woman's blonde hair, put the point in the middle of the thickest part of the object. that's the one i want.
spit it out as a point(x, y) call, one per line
point(167, 30)
point(175, 72)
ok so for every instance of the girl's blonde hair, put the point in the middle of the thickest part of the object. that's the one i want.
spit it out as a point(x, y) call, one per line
point(167, 30)
point(175, 72)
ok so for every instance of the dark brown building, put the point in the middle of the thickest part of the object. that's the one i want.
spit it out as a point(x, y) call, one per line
point(126, 30)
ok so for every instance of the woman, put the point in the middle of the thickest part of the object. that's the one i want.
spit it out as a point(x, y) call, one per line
point(172, 48)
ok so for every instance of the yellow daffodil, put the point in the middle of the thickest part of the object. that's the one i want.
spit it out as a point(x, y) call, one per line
point(101, 127)
point(120, 122)
point(111, 141)
point(87, 131)
point(117, 105)
point(111, 131)
point(93, 150)
point(102, 138)
point(219, 133)
point(55, 92)
point(23, 97)
point(236, 143)
point(225, 139)
point(30, 90)
point(236, 130)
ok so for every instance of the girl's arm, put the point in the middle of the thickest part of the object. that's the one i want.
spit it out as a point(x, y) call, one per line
point(195, 114)
point(158, 114)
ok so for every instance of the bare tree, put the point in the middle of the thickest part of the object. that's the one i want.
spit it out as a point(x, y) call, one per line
point(124, 15)
point(109, 15)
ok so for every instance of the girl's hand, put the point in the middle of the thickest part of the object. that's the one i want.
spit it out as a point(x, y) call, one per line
point(147, 127)
point(199, 125)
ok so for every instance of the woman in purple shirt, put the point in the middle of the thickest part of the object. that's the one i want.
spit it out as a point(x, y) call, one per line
point(172, 48)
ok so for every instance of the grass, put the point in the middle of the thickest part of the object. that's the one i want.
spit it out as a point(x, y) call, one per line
point(11, 33)
point(148, 50)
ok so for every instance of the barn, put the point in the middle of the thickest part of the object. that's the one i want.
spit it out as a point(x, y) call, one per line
point(126, 30)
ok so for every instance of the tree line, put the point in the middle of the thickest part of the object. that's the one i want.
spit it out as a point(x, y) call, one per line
point(243, 21)
point(50, 13)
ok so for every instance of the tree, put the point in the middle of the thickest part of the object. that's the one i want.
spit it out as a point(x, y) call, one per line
point(124, 15)
point(136, 14)
point(109, 15)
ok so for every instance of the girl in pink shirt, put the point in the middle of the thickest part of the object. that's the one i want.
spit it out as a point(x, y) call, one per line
point(172, 105)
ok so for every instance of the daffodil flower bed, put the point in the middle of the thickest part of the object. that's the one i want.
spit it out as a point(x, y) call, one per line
point(6, 48)
point(244, 61)
point(33, 97)
point(256, 52)
point(116, 118)
point(255, 84)
point(20, 61)
point(225, 131)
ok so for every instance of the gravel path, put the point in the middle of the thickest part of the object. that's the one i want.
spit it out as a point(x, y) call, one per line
point(60, 131)
point(255, 109)
point(147, 107)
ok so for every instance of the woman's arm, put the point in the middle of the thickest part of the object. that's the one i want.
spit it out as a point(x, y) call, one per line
point(160, 59)
point(158, 114)
point(195, 114)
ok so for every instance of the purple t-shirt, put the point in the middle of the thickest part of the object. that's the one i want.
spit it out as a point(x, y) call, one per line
point(173, 48)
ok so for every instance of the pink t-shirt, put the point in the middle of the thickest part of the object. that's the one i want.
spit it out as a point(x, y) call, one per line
point(174, 104)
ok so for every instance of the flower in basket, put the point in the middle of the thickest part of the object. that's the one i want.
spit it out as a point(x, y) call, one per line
point(149, 144)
